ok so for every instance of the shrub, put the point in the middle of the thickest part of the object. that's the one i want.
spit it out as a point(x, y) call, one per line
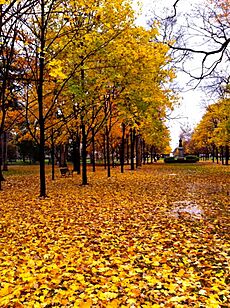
point(187, 159)
point(192, 158)
point(169, 160)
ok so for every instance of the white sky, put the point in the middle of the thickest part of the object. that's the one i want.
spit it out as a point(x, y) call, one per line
point(190, 110)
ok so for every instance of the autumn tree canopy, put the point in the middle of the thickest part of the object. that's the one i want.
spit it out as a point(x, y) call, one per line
point(84, 68)
point(212, 134)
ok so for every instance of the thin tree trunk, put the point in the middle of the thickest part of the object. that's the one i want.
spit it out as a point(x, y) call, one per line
point(78, 153)
point(74, 157)
point(137, 149)
point(108, 151)
point(104, 150)
point(127, 149)
point(52, 153)
point(144, 156)
point(63, 154)
point(151, 154)
point(113, 157)
point(147, 154)
point(93, 150)
point(122, 154)
point(217, 155)
point(4, 152)
point(1, 175)
point(226, 154)
point(222, 154)
point(40, 105)
point(132, 146)
point(84, 156)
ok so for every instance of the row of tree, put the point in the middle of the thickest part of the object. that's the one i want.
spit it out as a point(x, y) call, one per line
point(212, 134)
point(81, 72)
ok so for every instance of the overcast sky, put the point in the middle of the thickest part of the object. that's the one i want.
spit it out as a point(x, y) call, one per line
point(191, 108)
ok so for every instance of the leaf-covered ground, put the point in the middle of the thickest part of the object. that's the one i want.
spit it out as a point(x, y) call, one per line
point(156, 237)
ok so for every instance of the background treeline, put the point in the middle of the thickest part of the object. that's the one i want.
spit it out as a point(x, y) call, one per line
point(211, 137)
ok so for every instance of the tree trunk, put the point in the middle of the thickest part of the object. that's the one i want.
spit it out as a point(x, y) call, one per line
point(113, 157)
point(74, 155)
point(151, 155)
point(1, 175)
point(226, 154)
point(141, 151)
point(132, 146)
point(213, 153)
point(4, 152)
point(137, 149)
point(127, 149)
point(52, 154)
point(107, 151)
point(93, 150)
point(122, 152)
point(63, 155)
point(84, 156)
point(40, 105)
point(78, 153)
point(222, 154)
point(217, 155)
point(144, 156)
point(104, 151)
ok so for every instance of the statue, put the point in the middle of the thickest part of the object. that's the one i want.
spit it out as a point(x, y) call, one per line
point(180, 148)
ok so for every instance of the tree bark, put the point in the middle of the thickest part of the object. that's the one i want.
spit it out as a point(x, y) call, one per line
point(40, 105)
point(213, 153)
point(226, 154)
point(104, 150)
point(132, 146)
point(76, 154)
point(93, 150)
point(217, 155)
point(107, 151)
point(137, 149)
point(1, 175)
point(222, 154)
point(4, 152)
point(151, 154)
point(127, 149)
point(122, 152)
point(63, 155)
point(84, 156)
point(144, 156)
point(52, 153)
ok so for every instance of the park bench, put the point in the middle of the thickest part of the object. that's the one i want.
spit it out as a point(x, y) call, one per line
point(65, 171)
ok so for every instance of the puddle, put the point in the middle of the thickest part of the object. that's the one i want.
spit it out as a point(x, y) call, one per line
point(188, 207)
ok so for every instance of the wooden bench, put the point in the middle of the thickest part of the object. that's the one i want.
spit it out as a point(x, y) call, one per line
point(66, 172)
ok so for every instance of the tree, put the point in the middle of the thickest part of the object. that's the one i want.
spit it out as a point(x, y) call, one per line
point(202, 34)
point(11, 13)
point(55, 25)
point(87, 67)
point(213, 130)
